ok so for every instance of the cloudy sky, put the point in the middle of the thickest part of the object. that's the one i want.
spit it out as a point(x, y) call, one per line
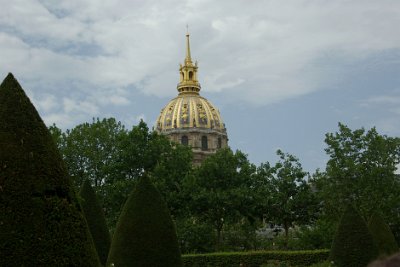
point(282, 73)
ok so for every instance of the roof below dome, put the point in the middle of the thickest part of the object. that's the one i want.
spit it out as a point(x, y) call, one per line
point(190, 111)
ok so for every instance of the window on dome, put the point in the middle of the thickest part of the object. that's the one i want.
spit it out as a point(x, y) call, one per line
point(190, 75)
point(204, 143)
point(219, 142)
point(185, 140)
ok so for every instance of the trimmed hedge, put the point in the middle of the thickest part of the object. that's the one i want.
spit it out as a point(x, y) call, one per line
point(255, 258)
point(96, 221)
point(41, 222)
point(382, 235)
point(145, 235)
point(353, 245)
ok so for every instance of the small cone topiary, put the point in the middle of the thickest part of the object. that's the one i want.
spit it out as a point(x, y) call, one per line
point(41, 223)
point(145, 235)
point(96, 221)
point(353, 245)
point(383, 236)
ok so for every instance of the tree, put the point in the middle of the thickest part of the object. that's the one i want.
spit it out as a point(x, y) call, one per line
point(170, 175)
point(361, 171)
point(353, 245)
point(291, 200)
point(91, 150)
point(96, 221)
point(41, 223)
point(142, 151)
point(318, 235)
point(220, 190)
point(145, 234)
point(382, 235)
point(112, 159)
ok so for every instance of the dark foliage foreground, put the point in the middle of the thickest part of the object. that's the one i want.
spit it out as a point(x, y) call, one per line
point(41, 223)
point(256, 258)
point(353, 245)
point(96, 221)
point(145, 235)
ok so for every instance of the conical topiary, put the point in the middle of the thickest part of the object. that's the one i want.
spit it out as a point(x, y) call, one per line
point(41, 223)
point(145, 235)
point(96, 221)
point(383, 236)
point(353, 245)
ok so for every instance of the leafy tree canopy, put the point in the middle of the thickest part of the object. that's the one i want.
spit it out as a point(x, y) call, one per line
point(360, 170)
point(289, 198)
point(220, 189)
point(113, 158)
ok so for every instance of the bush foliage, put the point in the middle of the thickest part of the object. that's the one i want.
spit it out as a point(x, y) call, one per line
point(41, 222)
point(353, 245)
point(96, 221)
point(145, 235)
point(256, 258)
point(383, 236)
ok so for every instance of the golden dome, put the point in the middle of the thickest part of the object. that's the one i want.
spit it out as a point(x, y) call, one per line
point(189, 111)
point(189, 118)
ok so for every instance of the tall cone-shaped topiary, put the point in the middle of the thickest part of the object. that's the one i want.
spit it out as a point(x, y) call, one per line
point(41, 223)
point(96, 221)
point(383, 236)
point(145, 235)
point(353, 245)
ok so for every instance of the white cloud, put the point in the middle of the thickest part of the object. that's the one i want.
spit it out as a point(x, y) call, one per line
point(382, 100)
point(119, 100)
point(75, 56)
point(73, 106)
point(62, 120)
point(47, 103)
point(272, 49)
point(385, 109)
point(140, 117)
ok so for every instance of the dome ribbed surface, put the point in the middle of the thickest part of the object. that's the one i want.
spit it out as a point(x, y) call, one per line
point(188, 111)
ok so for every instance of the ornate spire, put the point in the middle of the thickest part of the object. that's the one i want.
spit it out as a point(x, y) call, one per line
point(188, 59)
point(188, 73)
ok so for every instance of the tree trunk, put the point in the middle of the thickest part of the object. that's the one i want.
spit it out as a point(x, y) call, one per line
point(219, 237)
point(286, 226)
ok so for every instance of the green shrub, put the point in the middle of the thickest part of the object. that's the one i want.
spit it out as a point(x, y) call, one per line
point(353, 245)
point(318, 236)
point(145, 235)
point(194, 236)
point(96, 221)
point(41, 222)
point(382, 235)
point(256, 258)
point(322, 264)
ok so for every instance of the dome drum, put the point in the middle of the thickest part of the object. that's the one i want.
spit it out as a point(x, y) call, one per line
point(202, 143)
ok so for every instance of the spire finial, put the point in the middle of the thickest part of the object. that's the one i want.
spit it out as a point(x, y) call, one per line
point(188, 83)
point(188, 58)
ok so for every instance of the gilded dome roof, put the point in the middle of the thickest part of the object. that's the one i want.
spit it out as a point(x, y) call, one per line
point(189, 110)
